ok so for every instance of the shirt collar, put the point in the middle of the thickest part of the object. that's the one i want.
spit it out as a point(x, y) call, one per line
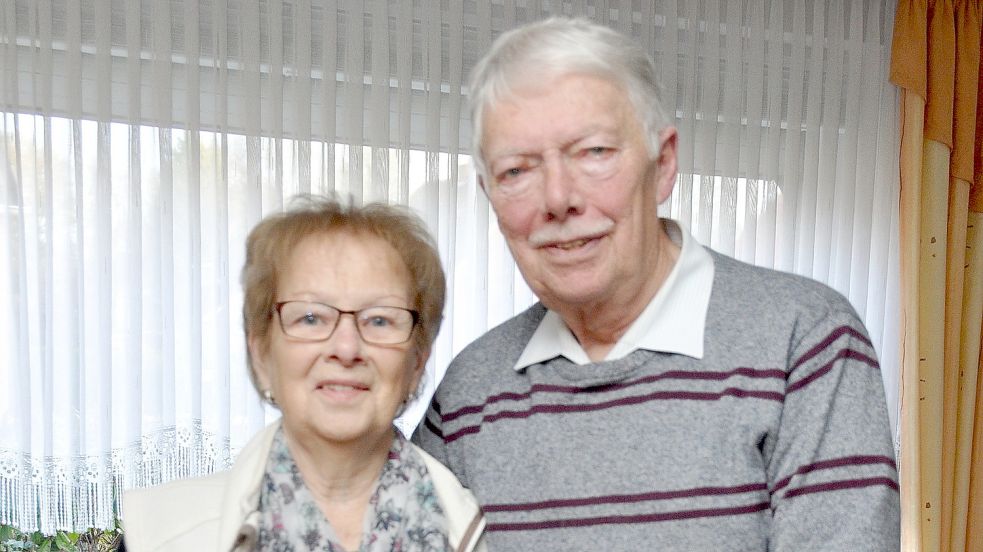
point(672, 322)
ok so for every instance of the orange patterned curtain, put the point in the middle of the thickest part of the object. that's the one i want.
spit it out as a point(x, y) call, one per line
point(937, 64)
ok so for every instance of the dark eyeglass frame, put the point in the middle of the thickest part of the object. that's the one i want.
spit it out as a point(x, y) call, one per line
point(279, 305)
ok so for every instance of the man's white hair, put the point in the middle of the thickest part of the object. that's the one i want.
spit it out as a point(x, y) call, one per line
point(561, 46)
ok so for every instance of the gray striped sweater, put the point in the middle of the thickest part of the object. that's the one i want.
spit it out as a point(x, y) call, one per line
point(777, 439)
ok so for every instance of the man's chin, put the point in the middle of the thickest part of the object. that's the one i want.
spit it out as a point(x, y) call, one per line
point(571, 294)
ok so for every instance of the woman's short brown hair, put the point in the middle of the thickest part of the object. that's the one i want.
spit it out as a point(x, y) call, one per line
point(272, 241)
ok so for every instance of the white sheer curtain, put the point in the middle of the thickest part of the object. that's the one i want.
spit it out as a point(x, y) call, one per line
point(142, 139)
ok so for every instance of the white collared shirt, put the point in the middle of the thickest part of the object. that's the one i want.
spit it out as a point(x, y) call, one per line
point(673, 321)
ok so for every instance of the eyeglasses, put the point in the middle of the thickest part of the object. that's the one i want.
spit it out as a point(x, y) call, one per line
point(312, 321)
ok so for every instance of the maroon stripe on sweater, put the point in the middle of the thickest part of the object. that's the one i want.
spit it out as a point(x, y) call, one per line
point(627, 519)
point(432, 427)
point(624, 401)
point(840, 485)
point(624, 498)
point(476, 409)
point(833, 336)
point(773, 373)
point(835, 463)
point(843, 353)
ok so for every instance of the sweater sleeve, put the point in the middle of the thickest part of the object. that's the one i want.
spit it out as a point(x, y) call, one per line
point(430, 437)
point(831, 469)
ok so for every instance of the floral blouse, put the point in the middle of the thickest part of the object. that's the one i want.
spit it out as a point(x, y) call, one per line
point(403, 515)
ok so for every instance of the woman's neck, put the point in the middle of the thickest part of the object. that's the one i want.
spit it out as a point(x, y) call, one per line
point(341, 477)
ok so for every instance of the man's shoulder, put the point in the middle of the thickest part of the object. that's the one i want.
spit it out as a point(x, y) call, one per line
point(764, 316)
point(505, 341)
point(765, 308)
point(763, 287)
point(493, 352)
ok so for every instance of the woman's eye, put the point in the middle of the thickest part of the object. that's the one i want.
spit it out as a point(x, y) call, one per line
point(310, 319)
point(598, 151)
point(379, 322)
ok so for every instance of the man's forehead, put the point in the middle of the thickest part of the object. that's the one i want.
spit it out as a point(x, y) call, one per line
point(527, 85)
point(560, 135)
point(556, 112)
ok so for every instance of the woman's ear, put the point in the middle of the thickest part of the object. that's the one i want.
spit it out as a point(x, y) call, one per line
point(419, 367)
point(258, 361)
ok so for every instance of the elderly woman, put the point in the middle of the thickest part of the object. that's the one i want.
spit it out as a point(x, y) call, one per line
point(342, 305)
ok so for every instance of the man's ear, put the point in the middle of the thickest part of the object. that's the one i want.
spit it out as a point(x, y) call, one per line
point(668, 163)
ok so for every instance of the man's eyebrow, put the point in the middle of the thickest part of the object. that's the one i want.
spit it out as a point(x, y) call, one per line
point(510, 153)
point(607, 132)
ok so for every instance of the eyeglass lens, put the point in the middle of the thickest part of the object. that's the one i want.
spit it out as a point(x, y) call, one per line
point(317, 321)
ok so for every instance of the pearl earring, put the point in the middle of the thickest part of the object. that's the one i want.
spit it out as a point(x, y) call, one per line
point(268, 396)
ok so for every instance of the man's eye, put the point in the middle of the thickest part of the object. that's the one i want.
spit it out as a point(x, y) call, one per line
point(596, 161)
point(510, 173)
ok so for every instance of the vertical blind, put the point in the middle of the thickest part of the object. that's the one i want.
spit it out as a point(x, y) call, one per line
point(142, 139)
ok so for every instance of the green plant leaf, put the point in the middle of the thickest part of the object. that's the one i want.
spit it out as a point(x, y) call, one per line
point(6, 533)
point(108, 540)
point(62, 541)
point(37, 538)
point(45, 546)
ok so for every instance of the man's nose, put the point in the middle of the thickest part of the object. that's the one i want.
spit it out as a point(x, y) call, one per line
point(560, 190)
point(345, 344)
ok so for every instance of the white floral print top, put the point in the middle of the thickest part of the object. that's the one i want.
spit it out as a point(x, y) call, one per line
point(404, 514)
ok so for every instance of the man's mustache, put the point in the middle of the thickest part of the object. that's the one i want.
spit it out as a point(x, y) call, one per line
point(570, 231)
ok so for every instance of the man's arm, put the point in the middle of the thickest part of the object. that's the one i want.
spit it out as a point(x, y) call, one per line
point(430, 437)
point(832, 473)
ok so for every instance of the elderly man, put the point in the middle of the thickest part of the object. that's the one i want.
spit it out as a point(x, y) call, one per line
point(660, 396)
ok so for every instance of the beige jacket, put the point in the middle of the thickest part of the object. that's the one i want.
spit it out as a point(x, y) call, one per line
point(219, 512)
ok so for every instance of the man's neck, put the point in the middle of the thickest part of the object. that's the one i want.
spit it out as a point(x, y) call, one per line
point(599, 326)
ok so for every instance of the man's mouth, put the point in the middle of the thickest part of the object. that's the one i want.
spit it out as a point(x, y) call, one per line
point(566, 246)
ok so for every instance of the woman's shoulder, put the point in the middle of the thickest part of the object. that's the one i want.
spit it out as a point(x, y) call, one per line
point(155, 517)
point(174, 515)
point(443, 478)
point(464, 516)
point(202, 487)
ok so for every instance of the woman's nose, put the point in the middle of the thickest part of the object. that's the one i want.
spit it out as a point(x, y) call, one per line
point(345, 344)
